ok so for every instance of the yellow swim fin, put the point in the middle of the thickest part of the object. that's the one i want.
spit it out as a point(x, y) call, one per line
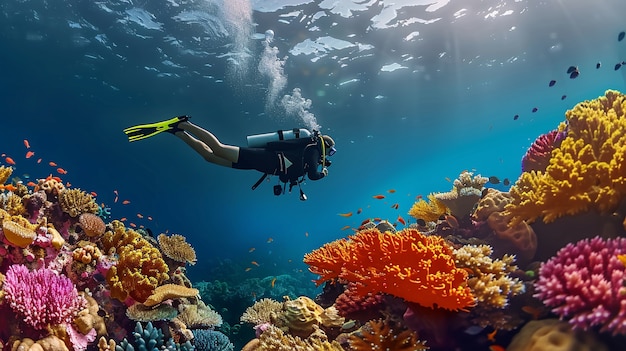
point(144, 131)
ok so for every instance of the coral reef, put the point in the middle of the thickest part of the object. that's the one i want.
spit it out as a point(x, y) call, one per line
point(169, 291)
point(586, 171)
point(303, 316)
point(406, 264)
point(429, 211)
point(261, 311)
point(584, 284)
point(76, 202)
point(198, 315)
point(274, 339)
point(211, 340)
point(92, 224)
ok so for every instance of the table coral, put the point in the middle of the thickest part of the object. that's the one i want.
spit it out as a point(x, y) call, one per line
point(583, 283)
point(140, 267)
point(177, 248)
point(586, 171)
point(406, 264)
point(41, 296)
point(169, 291)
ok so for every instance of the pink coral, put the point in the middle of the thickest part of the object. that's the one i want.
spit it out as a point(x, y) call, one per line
point(583, 283)
point(537, 157)
point(42, 297)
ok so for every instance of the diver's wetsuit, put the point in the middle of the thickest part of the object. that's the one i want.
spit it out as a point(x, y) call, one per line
point(270, 160)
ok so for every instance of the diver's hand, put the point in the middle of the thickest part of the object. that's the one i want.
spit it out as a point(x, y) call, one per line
point(325, 171)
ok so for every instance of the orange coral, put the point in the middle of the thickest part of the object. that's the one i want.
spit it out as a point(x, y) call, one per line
point(407, 264)
point(378, 335)
point(140, 267)
point(587, 171)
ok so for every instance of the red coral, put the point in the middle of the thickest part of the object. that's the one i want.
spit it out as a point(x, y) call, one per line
point(352, 305)
point(406, 264)
point(537, 157)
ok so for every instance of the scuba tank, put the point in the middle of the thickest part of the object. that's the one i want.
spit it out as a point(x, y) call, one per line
point(261, 140)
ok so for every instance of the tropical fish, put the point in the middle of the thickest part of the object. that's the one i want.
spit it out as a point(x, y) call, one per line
point(359, 211)
point(346, 227)
point(52, 164)
point(506, 182)
point(123, 219)
point(61, 171)
point(563, 97)
point(132, 225)
point(571, 69)
point(494, 180)
point(391, 191)
point(345, 214)
point(515, 117)
point(9, 160)
point(574, 74)
point(9, 187)
point(598, 65)
point(401, 220)
point(306, 234)
point(125, 202)
point(447, 179)
point(29, 154)
point(552, 82)
point(379, 197)
point(273, 282)
point(94, 194)
point(618, 66)
point(255, 263)
point(149, 218)
point(492, 336)
point(38, 160)
point(248, 269)
point(269, 240)
point(139, 215)
point(533, 311)
point(621, 36)
point(251, 249)
point(535, 109)
point(27, 144)
point(395, 206)
point(31, 183)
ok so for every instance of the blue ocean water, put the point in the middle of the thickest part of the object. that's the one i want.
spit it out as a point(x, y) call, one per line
point(413, 93)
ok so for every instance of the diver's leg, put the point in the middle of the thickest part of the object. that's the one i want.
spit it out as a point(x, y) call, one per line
point(205, 151)
point(227, 152)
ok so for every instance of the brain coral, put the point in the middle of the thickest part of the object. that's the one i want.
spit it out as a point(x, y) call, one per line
point(140, 267)
point(406, 264)
point(583, 283)
point(587, 171)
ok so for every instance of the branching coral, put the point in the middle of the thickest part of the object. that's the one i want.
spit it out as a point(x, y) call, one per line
point(274, 339)
point(13, 205)
point(5, 173)
point(464, 195)
point(583, 283)
point(538, 155)
point(140, 267)
point(379, 335)
point(354, 306)
point(428, 211)
point(587, 171)
point(42, 297)
point(177, 248)
point(261, 311)
point(76, 202)
point(406, 264)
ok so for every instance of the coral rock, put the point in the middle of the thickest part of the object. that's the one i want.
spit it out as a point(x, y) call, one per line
point(493, 201)
point(554, 335)
point(300, 316)
point(521, 235)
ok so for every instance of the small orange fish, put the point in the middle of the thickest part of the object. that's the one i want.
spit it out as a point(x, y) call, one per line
point(27, 144)
point(533, 311)
point(125, 202)
point(269, 240)
point(345, 227)
point(251, 249)
point(492, 336)
point(255, 263)
point(9, 187)
point(496, 348)
point(359, 211)
point(365, 221)
point(132, 225)
point(139, 215)
point(38, 160)
point(273, 282)
point(379, 197)
point(123, 219)
point(30, 154)
point(61, 171)
point(345, 214)
point(248, 269)
point(31, 183)
point(9, 161)
point(94, 194)
point(391, 191)
point(52, 164)
point(401, 220)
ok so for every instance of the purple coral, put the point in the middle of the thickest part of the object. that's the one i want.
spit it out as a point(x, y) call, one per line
point(538, 155)
point(584, 283)
point(42, 297)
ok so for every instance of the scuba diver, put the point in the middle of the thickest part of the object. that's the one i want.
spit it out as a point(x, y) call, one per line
point(290, 154)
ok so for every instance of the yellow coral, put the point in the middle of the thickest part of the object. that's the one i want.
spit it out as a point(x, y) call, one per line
point(86, 252)
point(177, 248)
point(379, 335)
point(587, 171)
point(274, 339)
point(76, 202)
point(493, 201)
point(428, 211)
point(5, 173)
point(19, 233)
point(13, 205)
point(489, 279)
point(301, 316)
point(140, 267)
point(261, 311)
